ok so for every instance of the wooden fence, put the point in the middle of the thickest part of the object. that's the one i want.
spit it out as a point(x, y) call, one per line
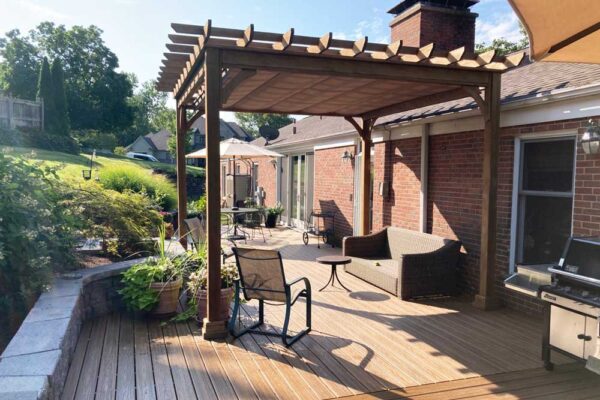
point(18, 113)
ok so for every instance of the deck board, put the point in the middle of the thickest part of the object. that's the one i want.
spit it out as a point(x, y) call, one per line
point(364, 345)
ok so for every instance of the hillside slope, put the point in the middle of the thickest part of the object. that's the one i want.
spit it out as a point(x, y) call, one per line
point(70, 166)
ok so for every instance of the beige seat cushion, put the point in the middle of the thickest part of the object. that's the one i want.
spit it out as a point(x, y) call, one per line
point(381, 272)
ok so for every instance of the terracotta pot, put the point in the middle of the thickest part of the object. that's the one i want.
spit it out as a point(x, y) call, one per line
point(226, 296)
point(168, 299)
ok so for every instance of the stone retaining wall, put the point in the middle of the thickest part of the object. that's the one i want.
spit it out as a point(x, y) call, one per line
point(35, 363)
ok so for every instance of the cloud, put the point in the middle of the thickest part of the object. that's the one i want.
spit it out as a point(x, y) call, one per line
point(502, 25)
point(43, 12)
point(374, 28)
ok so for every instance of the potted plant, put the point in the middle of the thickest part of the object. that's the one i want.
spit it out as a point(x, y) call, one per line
point(273, 214)
point(154, 285)
point(197, 288)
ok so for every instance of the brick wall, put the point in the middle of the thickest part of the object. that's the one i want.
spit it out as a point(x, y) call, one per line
point(334, 187)
point(454, 195)
point(267, 178)
point(399, 164)
point(586, 216)
point(448, 29)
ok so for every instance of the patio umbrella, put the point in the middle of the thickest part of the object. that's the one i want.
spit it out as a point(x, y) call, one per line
point(561, 30)
point(235, 148)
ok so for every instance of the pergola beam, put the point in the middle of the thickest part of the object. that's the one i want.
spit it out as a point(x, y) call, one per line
point(490, 108)
point(364, 127)
point(181, 137)
point(212, 327)
point(351, 68)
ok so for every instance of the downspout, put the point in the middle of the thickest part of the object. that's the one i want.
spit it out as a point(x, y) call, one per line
point(424, 177)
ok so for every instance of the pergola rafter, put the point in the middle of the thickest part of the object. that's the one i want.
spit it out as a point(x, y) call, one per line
point(209, 69)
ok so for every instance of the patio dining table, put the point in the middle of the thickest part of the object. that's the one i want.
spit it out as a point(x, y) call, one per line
point(235, 212)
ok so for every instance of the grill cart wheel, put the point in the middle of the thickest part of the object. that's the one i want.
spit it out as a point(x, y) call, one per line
point(305, 238)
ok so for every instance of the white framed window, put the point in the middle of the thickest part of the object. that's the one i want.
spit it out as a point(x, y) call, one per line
point(543, 191)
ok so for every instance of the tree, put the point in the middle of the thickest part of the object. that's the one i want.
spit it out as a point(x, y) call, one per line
point(19, 66)
point(172, 143)
point(96, 93)
point(503, 46)
point(150, 114)
point(46, 93)
point(251, 122)
point(61, 119)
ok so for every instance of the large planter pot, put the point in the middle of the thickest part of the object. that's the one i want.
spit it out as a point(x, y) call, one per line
point(271, 220)
point(225, 299)
point(168, 298)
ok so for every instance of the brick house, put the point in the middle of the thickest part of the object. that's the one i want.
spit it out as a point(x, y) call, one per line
point(427, 163)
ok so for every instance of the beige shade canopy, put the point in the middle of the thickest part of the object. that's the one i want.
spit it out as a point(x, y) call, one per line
point(235, 148)
point(561, 30)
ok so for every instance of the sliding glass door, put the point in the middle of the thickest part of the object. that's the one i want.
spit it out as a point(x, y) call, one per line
point(298, 190)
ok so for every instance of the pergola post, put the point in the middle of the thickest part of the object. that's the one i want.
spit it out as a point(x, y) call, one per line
point(181, 174)
point(364, 129)
point(486, 299)
point(213, 328)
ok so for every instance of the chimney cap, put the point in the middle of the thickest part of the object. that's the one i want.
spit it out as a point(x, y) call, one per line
point(452, 4)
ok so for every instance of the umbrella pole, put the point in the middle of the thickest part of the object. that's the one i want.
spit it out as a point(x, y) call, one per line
point(234, 203)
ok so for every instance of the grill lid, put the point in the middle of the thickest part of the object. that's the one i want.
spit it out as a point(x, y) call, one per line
point(580, 260)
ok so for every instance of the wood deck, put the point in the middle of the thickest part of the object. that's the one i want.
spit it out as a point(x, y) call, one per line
point(366, 344)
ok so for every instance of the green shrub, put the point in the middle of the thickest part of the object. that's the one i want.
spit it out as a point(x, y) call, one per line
point(10, 137)
point(37, 237)
point(197, 208)
point(120, 151)
point(38, 139)
point(124, 222)
point(157, 187)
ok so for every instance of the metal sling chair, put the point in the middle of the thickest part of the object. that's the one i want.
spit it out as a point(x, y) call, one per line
point(197, 235)
point(262, 278)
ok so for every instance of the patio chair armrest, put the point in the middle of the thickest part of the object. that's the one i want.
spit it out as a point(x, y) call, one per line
point(371, 245)
point(298, 280)
point(418, 271)
point(445, 256)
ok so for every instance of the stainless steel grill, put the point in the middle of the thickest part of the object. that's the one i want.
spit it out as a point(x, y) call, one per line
point(573, 304)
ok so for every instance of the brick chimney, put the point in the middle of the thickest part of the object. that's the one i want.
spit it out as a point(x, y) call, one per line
point(447, 23)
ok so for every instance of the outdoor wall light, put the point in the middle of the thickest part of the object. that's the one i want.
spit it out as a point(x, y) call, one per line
point(590, 141)
point(347, 156)
point(274, 163)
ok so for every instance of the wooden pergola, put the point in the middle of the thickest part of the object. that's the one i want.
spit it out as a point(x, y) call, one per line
point(209, 69)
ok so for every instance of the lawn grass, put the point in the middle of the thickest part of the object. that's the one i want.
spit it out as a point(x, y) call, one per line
point(70, 166)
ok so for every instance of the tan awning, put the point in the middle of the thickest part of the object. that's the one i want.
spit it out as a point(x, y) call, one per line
point(561, 30)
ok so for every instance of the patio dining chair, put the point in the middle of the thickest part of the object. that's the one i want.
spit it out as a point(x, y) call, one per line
point(197, 235)
point(262, 278)
point(252, 221)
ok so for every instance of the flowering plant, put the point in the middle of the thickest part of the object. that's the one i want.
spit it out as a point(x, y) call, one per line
point(197, 280)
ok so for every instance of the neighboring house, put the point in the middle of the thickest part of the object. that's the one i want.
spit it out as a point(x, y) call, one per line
point(228, 130)
point(156, 144)
point(427, 163)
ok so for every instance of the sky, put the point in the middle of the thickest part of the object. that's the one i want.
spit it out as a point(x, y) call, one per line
point(136, 30)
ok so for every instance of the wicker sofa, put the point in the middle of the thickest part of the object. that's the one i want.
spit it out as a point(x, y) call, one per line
point(406, 263)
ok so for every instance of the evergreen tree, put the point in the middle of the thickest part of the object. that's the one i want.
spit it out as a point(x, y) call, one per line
point(46, 93)
point(60, 99)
